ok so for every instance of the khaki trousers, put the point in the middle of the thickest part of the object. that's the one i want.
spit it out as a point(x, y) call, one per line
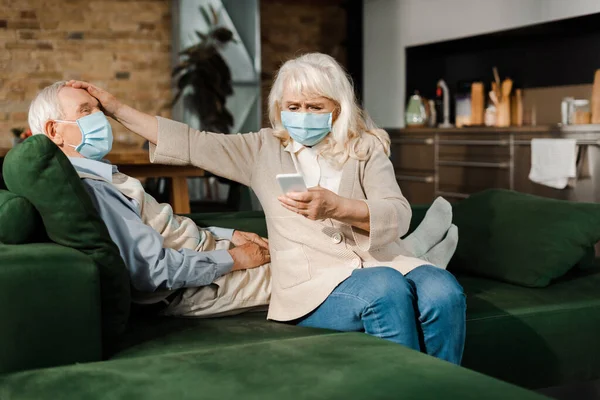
point(233, 293)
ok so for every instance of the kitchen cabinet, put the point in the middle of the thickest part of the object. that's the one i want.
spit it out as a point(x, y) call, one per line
point(457, 162)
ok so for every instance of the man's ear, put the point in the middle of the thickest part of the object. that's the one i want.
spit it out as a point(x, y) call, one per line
point(50, 131)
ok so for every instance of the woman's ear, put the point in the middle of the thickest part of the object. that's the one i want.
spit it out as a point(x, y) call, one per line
point(51, 132)
point(335, 114)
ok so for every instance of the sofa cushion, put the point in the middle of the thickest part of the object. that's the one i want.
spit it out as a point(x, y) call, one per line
point(150, 336)
point(534, 337)
point(522, 239)
point(19, 221)
point(333, 366)
point(39, 171)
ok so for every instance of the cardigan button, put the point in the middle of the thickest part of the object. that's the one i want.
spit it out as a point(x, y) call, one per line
point(337, 238)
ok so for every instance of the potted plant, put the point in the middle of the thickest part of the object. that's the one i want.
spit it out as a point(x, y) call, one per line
point(203, 69)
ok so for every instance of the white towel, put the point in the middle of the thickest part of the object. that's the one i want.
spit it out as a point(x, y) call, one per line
point(553, 162)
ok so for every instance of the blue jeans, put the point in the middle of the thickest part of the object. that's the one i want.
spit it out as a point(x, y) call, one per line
point(424, 310)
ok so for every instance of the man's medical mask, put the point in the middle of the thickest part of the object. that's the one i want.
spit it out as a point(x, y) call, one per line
point(307, 129)
point(96, 135)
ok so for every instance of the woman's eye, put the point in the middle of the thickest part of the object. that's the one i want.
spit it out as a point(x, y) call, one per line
point(316, 108)
point(292, 108)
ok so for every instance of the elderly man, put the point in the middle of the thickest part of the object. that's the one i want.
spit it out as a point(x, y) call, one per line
point(180, 268)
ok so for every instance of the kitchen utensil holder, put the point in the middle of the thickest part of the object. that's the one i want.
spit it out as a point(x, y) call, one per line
point(503, 113)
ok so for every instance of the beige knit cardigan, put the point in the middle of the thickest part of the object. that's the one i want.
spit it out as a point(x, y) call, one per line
point(308, 258)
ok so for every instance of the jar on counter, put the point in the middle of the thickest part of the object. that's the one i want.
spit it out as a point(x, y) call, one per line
point(580, 112)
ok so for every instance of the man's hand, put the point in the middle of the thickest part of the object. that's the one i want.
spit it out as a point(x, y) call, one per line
point(317, 203)
point(110, 104)
point(249, 255)
point(240, 238)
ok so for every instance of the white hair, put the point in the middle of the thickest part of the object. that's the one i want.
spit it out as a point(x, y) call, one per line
point(44, 107)
point(318, 74)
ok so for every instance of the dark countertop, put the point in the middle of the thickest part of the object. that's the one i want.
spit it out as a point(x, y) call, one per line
point(478, 130)
point(527, 130)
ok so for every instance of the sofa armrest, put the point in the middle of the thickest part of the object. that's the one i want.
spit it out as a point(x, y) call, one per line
point(49, 307)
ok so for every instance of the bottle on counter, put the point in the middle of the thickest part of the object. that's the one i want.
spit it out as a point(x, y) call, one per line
point(433, 120)
point(415, 115)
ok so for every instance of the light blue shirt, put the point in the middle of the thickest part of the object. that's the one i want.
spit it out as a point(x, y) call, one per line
point(151, 266)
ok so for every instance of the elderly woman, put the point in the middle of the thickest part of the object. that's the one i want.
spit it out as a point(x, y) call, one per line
point(337, 258)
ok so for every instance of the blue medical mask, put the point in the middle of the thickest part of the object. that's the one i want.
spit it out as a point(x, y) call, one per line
point(96, 135)
point(307, 129)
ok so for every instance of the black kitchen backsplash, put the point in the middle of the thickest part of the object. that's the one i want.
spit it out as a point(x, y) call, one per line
point(563, 52)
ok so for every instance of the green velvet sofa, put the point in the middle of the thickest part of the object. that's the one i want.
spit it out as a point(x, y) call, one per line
point(51, 343)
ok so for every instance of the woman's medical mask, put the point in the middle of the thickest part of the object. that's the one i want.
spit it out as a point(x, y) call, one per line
point(96, 135)
point(307, 129)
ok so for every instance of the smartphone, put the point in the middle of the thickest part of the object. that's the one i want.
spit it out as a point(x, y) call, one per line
point(291, 183)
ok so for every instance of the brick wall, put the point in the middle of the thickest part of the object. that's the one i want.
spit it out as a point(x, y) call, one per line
point(123, 46)
point(290, 29)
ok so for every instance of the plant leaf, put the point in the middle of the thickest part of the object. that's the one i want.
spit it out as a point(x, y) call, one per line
point(180, 67)
point(177, 96)
point(214, 14)
point(201, 36)
point(205, 15)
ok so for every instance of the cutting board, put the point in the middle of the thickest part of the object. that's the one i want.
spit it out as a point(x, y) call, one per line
point(477, 103)
point(595, 106)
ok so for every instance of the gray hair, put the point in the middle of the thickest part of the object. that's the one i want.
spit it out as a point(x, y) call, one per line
point(321, 75)
point(45, 107)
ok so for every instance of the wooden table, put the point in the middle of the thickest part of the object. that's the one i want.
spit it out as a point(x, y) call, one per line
point(135, 162)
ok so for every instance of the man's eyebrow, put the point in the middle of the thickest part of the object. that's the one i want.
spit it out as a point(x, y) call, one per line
point(84, 105)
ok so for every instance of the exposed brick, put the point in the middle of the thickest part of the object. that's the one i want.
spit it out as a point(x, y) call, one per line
point(289, 29)
point(96, 76)
point(19, 116)
point(40, 45)
point(146, 26)
point(43, 84)
point(49, 24)
point(50, 75)
point(28, 14)
point(164, 47)
point(45, 46)
point(52, 35)
point(23, 24)
point(28, 35)
point(122, 75)
point(68, 75)
point(20, 45)
point(100, 35)
point(75, 35)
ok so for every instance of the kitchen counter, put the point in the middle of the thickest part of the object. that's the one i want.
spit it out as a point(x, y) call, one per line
point(457, 162)
point(541, 129)
point(484, 129)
